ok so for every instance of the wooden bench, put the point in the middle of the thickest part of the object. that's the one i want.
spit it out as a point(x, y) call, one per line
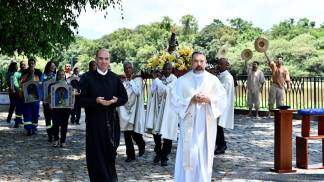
point(302, 141)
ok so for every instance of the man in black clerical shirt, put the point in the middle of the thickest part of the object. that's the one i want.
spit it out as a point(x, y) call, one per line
point(101, 92)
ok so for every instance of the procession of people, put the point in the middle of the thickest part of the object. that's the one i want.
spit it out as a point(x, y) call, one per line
point(191, 110)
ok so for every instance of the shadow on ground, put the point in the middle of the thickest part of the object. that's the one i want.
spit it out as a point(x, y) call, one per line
point(249, 156)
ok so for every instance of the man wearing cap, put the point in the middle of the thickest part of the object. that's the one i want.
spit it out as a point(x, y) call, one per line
point(280, 79)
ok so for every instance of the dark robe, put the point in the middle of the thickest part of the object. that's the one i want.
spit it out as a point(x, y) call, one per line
point(102, 126)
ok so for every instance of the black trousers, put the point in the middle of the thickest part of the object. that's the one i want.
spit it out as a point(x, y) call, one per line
point(12, 98)
point(162, 149)
point(48, 120)
point(129, 137)
point(60, 123)
point(76, 111)
point(220, 139)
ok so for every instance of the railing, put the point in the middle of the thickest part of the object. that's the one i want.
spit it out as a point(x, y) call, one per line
point(2, 82)
point(306, 92)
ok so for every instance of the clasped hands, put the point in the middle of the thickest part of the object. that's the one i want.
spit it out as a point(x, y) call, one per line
point(201, 98)
point(102, 101)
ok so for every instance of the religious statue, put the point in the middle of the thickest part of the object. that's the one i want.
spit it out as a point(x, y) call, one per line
point(173, 42)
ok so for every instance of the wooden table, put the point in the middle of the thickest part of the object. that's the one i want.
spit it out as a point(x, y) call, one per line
point(283, 141)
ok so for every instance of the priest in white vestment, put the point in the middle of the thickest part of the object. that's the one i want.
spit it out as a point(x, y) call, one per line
point(227, 119)
point(160, 121)
point(132, 114)
point(199, 99)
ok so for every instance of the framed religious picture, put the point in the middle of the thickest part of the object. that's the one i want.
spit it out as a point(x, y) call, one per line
point(32, 91)
point(46, 84)
point(62, 96)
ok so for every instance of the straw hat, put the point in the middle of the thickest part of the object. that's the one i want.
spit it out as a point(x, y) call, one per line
point(261, 44)
point(246, 54)
point(222, 52)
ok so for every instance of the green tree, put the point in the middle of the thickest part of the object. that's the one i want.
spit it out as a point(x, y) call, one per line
point(36, 27)
point(322, 25)
point(167, 23)
point(189, 28)
point(189, 24)
point(213, 36)
point(246, 30)
point(282, 29)
point(302, 46)
point(81, 51)
point(207, 34)
point(289, 29)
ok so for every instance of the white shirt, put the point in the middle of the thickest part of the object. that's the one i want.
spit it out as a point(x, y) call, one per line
point(101, 72)
point(255, 80)
point(227, 118)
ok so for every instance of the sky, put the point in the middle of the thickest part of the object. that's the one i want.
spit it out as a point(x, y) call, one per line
point(262, 13)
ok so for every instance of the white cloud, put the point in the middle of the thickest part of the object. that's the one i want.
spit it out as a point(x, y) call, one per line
point(263, 13)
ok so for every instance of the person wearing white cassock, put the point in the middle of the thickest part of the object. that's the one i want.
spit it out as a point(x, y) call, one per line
point(158, 114)
point(199, 99)
point(132, 114)
point(226, 119)
point(153, 105)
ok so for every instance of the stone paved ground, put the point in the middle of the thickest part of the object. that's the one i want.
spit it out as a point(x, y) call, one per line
point(248, 158)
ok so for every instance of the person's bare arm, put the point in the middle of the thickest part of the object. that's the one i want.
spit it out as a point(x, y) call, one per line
point(270, 63)
point(287, 78)
point(268, 59)
point(288, 86)
point(246, 66)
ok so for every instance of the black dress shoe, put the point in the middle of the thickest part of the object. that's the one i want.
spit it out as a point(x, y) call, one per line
point(129, 159)
point(56, 143)
point(220, 150)
point(157, 159)
point(141, 152)
point(164, 163)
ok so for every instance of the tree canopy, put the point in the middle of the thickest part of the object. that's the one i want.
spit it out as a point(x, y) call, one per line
point(300, 42)
point(40, 27)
